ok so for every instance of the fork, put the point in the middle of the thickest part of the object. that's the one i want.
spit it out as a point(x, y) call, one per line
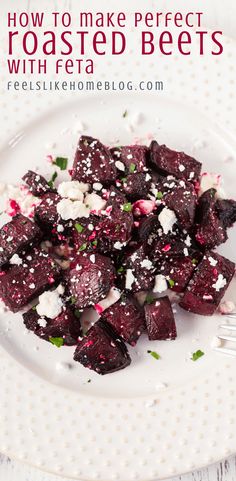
point(223, 337)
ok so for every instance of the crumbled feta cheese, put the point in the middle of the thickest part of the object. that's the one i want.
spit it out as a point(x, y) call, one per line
point(42, 322)
point(147, 177)
point(16, 260)
point(73, 190)
point(129, 279)
point(92, 258)
point(160, 284)
point(112, 297)
point(118, 245)
point(186, 251)
point(90, 227)
point(212, 181)
point(212, 261)
point(32, 286)
point(146, 263)
point(95, 202)
point(60, 228)
point(21, 195)
point(69, 209)
point(120, 166)
point(50, 304)
point(188, 241)
point(181, 168)
point(167, 219)
point(97, 186)
point(60, 289)
point(220, 283)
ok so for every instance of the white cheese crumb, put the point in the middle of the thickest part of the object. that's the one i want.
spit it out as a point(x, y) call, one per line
point(160, 284)
point(16, 260)
point(60, 289)
point(97, 186)
point(212, 181)
point(112, 297)
point(73, 190)
point(68, 209)
point(50, 304)
point(146, 263)
point(220, 283)
point(181, 168)
point(188, 241)
point(60, 228)
point(90, 227)
point(186, 251)
point(42, 322)
point(118, 245)
point(95, 202)
point(120, 165)
point(167, 219)
point(212, 261)
point(129, 279)
point(32, 286)
point(92, 258)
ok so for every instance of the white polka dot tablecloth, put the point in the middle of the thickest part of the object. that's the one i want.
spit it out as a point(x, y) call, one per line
point(123, 426)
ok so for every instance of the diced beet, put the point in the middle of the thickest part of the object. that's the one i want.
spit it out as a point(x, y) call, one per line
point(23, 283)
point(182, 199)
point(208, 285)
point(46, 213)
point(84, 233)
point(226, 212)
point(171, 162)
point(160, 320)
point(168, 246)
point(66, 325)
point(37, 183)
point(136, 186)
point(148, 226)
point(93, 162)
point(210, 231)
point(178, 271)
point(139, 271)
point(134, 157)
point(127, 319)
point(101, 350)
point(90, 279)
point(17, 235)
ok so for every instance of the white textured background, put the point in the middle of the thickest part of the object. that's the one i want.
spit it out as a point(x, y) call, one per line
point(218, 15)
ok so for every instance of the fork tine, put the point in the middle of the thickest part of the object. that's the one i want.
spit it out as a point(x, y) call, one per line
point(228, 338)
point(230, 327)
point(224, 350)
point(232, 315)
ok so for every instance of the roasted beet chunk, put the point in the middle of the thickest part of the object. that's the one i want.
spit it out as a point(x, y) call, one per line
point(133, 157)
point(84, 233)
point(160, 320)
point(16, 236)
point(136, 186)
point(148, 228)
point(139, 271)
point(127, 319)
point(101, 350)
point(93, 162)
point(226, 212)
point(66, 325)
point(90, 279)
point(210, 231)
point(178, 271)
point(208, 284)
point(46, 212)
point(182, 199)
point(170, 162)
point(23, 283)
point(37, 183)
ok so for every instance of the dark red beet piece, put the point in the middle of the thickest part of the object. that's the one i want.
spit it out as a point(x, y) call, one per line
point(136, 186)
point(208, 285)
point(160, 320)
point(139, 275)
point(66, 325)
point(226, 212)
point(182, 199)
point(171, 162)
point(17, 235)
point(93, 162)
point(37, 183)
point(90, 279)
point(101, 350)
point(148, 226)
point(46, 212)
point(83, 235)
point(134, 157)
point(210, 231)
point(127, 319)
point(178, 271)
point(21, 284)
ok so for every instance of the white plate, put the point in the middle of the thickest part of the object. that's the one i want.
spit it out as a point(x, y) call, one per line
point(122, 426)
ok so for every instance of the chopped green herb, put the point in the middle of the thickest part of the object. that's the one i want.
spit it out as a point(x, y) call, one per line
point(159, 195)
point(61, 162)
point(127, 207)
point(57, 341)
point(171, 282)
point(196, 355)
point(120, 270)
point(34, 308)
point(125, 114)
point(149, 299)
point(79, 228)
point(83, 247)
point(95, 243)
point(52, 180)
point(154, 354)
point(132, 168)
point(73, 300)
point(78, 313)
point(124, 180)
point(194, 261)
